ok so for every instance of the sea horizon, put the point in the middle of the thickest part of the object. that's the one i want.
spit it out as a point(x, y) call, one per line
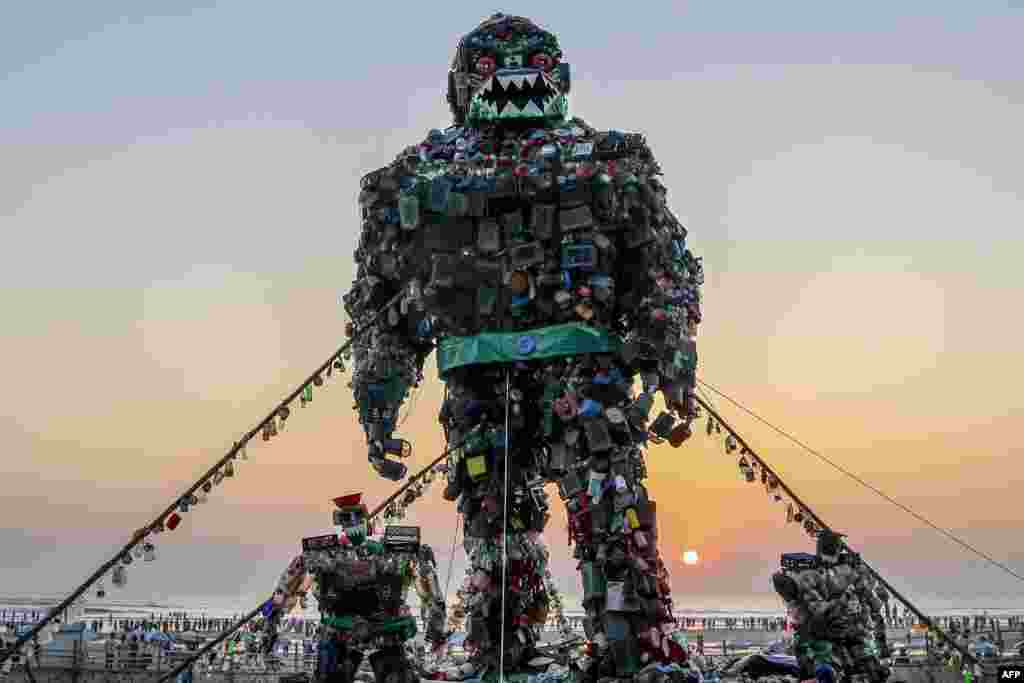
point(95, 608)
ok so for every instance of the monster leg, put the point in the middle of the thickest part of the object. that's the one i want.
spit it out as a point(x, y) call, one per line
point(475, 410)
point(598, 455)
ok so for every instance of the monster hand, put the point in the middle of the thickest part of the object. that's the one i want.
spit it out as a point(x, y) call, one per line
point(678, 398)
point(389, 469)
point(679, 402)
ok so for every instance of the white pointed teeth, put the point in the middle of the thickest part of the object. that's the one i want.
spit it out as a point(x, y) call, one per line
point(512, 110)
point(515, 79)
point(531, 109)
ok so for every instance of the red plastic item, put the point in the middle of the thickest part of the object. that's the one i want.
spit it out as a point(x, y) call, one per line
point(542, 60)
point(349, 500)
point(486, 65)
point(173, 521)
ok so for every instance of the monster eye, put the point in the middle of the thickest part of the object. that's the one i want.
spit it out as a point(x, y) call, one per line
point(485, 65)
point(542, 60)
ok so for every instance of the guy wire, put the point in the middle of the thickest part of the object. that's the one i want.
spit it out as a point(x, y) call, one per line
point(504, 526)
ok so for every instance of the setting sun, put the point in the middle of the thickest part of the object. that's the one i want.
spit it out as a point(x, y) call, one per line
point(690, 557)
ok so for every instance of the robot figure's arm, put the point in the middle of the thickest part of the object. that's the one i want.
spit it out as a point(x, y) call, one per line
point(786, 587)
point(389, 351)
point(432, 606)
point(290, 589)
point(659, 281)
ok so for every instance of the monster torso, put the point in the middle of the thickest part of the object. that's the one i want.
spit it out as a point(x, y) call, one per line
point(518, 230)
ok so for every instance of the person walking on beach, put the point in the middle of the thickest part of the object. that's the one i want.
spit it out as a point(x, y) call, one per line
point(108, 651)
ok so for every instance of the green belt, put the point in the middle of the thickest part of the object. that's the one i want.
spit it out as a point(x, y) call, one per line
point(568, 339)
point(403, 626)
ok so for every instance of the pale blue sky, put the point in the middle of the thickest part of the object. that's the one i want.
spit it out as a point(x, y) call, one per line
point(177, 205)
point(61, 61)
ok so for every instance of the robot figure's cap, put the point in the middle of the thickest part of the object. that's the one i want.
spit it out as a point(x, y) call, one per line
point(351, 500)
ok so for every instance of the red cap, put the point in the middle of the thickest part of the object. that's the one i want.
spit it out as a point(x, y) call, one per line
point(349, 500)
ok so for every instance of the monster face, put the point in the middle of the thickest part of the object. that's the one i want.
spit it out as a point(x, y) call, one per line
point(518, 94)
point(509, 69)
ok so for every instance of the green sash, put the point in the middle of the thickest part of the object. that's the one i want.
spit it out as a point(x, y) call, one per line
point(568, 339)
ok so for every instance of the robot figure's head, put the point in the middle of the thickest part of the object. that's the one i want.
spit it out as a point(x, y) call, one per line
point(830, 545)
point(508, 69)
point(352, 518)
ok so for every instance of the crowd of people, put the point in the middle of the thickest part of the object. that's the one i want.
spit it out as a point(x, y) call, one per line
point(182, 622)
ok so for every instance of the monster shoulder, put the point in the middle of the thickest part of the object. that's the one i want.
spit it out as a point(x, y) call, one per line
point(388, 257)
point(400, 206)
point(379, 252)
point(612, 145)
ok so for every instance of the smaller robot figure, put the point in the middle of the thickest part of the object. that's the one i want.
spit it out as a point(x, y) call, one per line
point(836, 609)
point(865, 599)
point(361, 583)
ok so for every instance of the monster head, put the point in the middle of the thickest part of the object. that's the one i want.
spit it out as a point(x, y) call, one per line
point(352, 518)
point(508, 69)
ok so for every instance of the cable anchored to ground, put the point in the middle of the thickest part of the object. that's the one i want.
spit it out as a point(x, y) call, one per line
point(139, 536)
point(381, 507)
point(859, 480)
point(924, 619)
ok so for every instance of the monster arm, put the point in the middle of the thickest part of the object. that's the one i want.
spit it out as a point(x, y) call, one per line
point(432, 606)
point(389, 350)
point(660, 289)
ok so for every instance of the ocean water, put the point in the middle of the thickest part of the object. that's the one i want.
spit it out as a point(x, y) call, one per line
point(756, 607)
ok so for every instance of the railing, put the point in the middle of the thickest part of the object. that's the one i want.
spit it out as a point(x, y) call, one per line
point(123, 659)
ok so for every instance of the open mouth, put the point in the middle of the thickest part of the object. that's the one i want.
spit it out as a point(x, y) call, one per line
point(517, 93)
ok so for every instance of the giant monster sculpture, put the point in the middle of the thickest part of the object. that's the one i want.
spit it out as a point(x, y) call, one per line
point(538, 257)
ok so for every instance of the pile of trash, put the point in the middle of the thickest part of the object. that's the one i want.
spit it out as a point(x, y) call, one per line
point(561, 662)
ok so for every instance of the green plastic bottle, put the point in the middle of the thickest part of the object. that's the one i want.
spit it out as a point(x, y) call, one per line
point(409, 211)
